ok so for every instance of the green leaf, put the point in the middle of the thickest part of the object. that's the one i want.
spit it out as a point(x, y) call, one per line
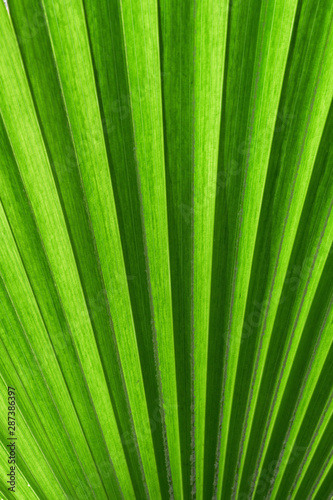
point(166, 258)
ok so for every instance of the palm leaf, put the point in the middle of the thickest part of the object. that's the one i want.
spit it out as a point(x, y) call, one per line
point(166, 248)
